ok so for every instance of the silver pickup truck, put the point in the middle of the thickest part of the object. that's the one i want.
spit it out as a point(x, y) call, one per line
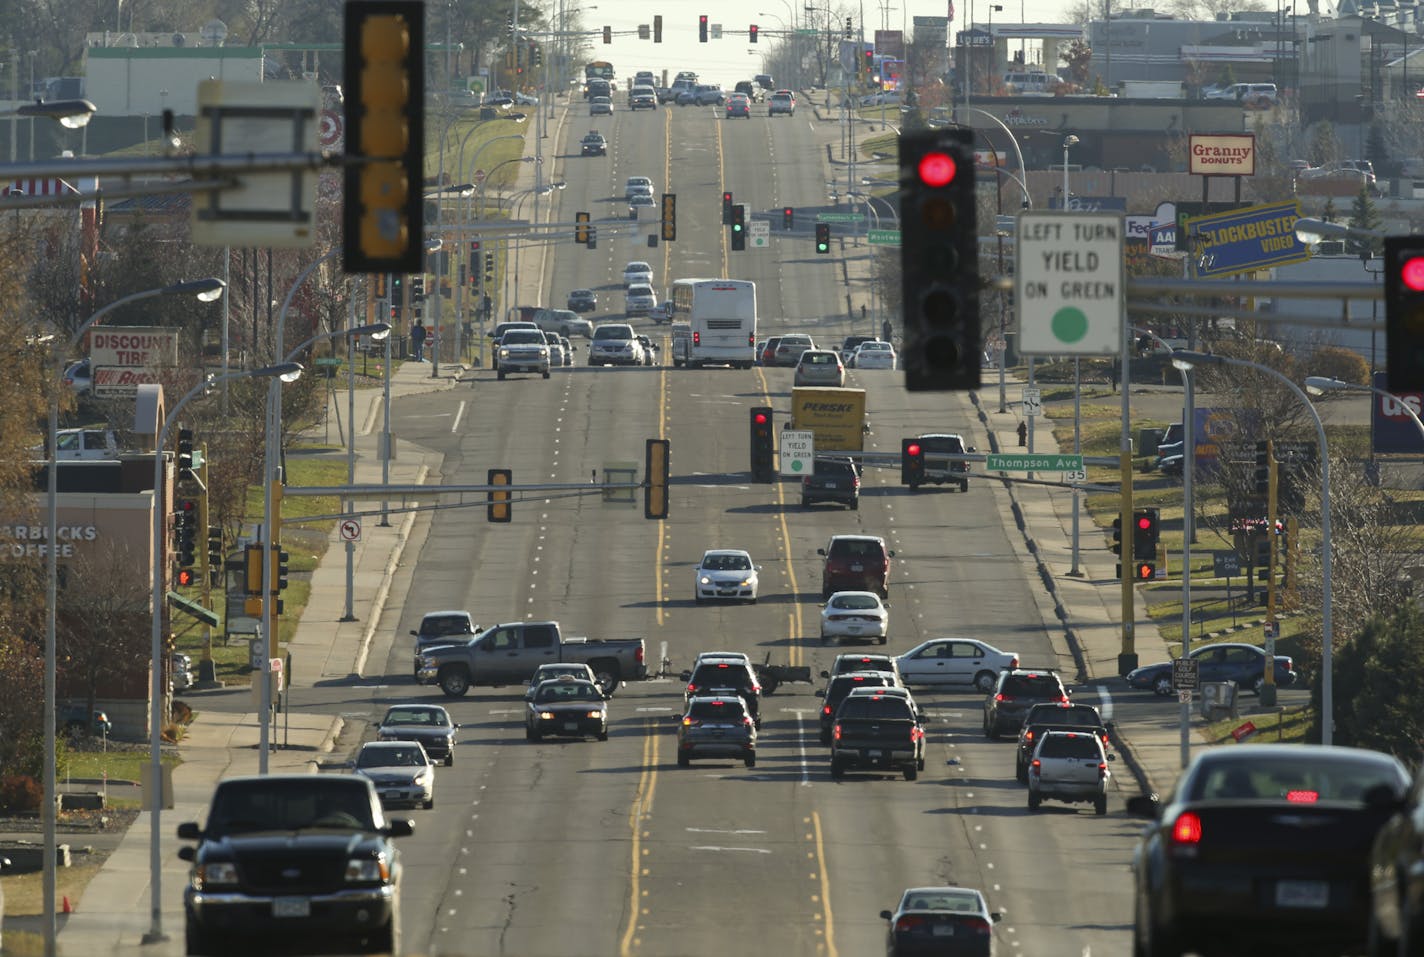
point(508, 654)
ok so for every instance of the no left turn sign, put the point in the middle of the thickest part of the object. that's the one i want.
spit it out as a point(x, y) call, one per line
point(330, 130)
point(350, 529)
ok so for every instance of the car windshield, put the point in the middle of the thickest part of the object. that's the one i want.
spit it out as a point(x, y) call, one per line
point(818, 359)
point(549, 672)
point(383, 757)
point(722, 675)
point(959, 903)
point(855, 602)
point(556, 691)
point(613, 332)
point(845, 684)
point(875, 347)
point(283, 805)
point(717, 711)
point(522, 337)
point(1304, 779)
point(438, 625)
point(418, 716)
point(855, 548)
point(1070, 746)
point(1073, 715)
point(1033, 686)
point(725, 563)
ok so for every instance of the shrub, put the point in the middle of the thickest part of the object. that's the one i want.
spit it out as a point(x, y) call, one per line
point(1338, 363)
point(19, 793)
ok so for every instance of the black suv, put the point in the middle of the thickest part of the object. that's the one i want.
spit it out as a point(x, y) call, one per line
point(1016, 691)
point(859, 661)
point(840, 687)
point(1055, 716)
point(293, 857)
point(724, 677)
point(832, 480)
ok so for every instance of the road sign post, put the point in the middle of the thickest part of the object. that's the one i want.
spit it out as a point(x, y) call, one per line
point(1069, 283)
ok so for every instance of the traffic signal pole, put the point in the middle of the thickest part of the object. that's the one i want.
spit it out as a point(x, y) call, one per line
point(1127, 656)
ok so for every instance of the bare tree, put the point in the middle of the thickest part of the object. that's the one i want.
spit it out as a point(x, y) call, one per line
point(105, 617)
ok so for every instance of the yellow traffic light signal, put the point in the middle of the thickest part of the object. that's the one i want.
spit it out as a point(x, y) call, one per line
point(581, 228)
point(655, 471)
point(669, 217)
point(383, 217)
point(499, 508)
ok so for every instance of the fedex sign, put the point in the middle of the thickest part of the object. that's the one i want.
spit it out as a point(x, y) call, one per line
point(1392, 429)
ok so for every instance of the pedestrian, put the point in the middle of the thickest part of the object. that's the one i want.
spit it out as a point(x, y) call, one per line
point(886, 328)
point(417, 340)
point(1023, 433)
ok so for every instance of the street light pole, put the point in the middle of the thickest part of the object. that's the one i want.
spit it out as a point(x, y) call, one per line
point(1186, 360)
point(155, 718)
point(207, 290)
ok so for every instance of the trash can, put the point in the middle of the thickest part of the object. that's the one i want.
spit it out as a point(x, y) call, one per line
point(1218, 700)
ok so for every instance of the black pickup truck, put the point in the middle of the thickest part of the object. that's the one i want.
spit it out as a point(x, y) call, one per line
point(877, 733)
point(1055, 716)
point(832, 480)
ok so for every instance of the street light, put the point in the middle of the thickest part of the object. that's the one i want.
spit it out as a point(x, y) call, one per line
point(1312, 231)
point(283, 372)
point(206, 290)
point(71, 114)
point(1185, 360)
point(1069, 142)
point(1319, 385)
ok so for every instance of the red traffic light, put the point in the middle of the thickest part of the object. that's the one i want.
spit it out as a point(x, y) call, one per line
point(759, 418)
point(937, 169)
point(1144, 522)
point(185, 577)
point(188, 505)
point(1411, 273)
point(726, 197)
point(1144, 571)
point(913, 449)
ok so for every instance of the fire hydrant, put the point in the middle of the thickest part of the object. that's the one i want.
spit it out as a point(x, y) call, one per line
point(1023, 434)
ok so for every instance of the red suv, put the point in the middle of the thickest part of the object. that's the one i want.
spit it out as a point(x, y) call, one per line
point(855, 563)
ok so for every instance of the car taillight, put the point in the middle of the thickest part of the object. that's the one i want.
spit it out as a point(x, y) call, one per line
point(909, 922)
point(756, 689)
point(1028, 735)
point(1036, 764)
point(1014, 661)
point(1003, 697)
point(1302, 797)
point(916, 733)
point(1102, 769)
point(692, 689)
point(978, 926)
point(836, 732)
point(806, 480)
point(1187, 829)
point(826, 710)
point(747, 721)
point(855, 482)
point(690, 722)
point(1062, 699)
point(638, 655)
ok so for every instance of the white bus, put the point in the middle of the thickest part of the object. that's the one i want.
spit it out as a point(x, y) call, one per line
point(723, 318)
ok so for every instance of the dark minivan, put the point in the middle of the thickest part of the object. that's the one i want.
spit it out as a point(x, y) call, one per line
point(855, 563)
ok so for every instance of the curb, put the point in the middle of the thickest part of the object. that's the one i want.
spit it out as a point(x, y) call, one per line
point(378, 602)
point(328, 742)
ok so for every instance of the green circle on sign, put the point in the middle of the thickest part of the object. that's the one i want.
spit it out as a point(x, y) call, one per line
point(796, 465)
point(1070, 324)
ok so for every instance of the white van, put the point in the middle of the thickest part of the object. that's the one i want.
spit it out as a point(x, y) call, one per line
point(1259, 95)
point(1034, 83)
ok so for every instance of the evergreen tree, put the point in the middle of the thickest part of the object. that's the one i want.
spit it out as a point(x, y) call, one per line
point(1364, 215)
point(1378, 699)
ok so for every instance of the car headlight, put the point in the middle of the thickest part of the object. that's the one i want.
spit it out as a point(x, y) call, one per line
point(746, 582)
point(504, 353)
point(423, 778)
point(368, 869)
point(546, 716)
point(427, 662)
point(544, 352)
point(596, 714)
point(705, 580)
point(217, 872)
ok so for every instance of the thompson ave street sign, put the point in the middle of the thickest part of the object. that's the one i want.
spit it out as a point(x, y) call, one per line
point(1036, 462)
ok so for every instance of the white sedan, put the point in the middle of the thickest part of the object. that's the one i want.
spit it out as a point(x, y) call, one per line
point(725, 573)
point(963, 662)
point(855, 614)
point(873, 355)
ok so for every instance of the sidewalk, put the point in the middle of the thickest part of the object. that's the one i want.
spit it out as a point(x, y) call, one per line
point(114, 912)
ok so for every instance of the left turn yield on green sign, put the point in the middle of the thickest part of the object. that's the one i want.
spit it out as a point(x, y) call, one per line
point(1069, 283)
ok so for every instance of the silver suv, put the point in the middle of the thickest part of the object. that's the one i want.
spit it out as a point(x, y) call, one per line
point(523, 350)
point(614, 344)
point(1069, 766)
point(782, 102)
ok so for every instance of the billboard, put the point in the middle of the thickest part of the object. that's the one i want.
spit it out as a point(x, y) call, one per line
point(1391, 428)
point(138, 346)
point(890, 43)
point(1245, 240)
point(1222, 154)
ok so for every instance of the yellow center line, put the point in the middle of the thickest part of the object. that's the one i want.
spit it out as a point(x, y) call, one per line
point(641, 809)
point(825, 888)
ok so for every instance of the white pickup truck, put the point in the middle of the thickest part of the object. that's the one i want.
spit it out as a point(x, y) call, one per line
point(1069, 766)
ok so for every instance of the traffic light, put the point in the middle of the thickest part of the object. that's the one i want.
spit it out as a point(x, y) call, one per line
point(657, 28)
point(727, 208)
point(669, 232)
point(215, 555)
point(280, 568)
point(823, 239)
point(655, 472)
point(1117, 541)
point(752, 33)
point(498, 506)
point(417, 288)
point(185, 455)
point(788, 217)
point(702, 28)
point(536, 54)
point(850, 28)
point(1404, 313)
point(581, 228)
point(489, 268)
point(186, 577)
point(383, 225)
point(607, 34)
point(185, 527)
point(939, 261)
point(868, 63)
point(763, 455)
point(912, 463)
point(382, 278)
point(509, 24)
point(1144, 544)
point(1261, 475)
point(593, 237)
point(739, 227)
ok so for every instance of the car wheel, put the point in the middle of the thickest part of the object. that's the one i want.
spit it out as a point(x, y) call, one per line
point(450, 760)
point(500, 375)
point(530, 734)
point(984, 682)
point(546, 373)
point(1163, 685)
point(883, 639)
point(198, 942)
point(912, 772)
point(683, 759)
point(1021, 772)
point(826, 738)
point(914, 486)
point(805, 503)
point(1100, 805)
point(698, 598)
point(855, 506)
point(428, 804)
point(991, 730)
point(837, 771)
point(603, 735)
point(1034, 800)
point(454, 682)
point(964, 486)
point(1256, 684)
point(750, 760)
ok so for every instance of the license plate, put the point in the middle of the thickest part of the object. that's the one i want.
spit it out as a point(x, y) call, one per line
point(1303, 894)
point(570, 725)
point(853, 629)
point(874, 754)
point(393, 795)
point(857, 568)
point(291, 907)
point(942, 930)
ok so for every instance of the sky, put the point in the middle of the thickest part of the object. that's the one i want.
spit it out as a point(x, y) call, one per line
point(732, 58)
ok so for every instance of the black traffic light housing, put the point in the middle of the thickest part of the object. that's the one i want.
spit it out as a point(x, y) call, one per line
point(185, 525)
point(823, 239)
point(499, 507)
point(280, 569)
point(1117, 541)
point(727, 208)
point(788, 217)
point(1261, 474)
point(656, 473)
point(1404, 313)
point(489, 268)
point(739, 227)
point(752, 33)
point(215, 555)
point(702, 28)
point(939, 258)
point(658, 28)
point(912, 463)
point(669, 224)
point(383, 226)
point(763, 453)
point(607, 34)
point(581, 228)
point(1145, 535)
point(185, 455)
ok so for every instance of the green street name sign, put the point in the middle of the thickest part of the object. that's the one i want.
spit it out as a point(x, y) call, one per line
point(840, 217)
point(1033, 463)
point(884, 237)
